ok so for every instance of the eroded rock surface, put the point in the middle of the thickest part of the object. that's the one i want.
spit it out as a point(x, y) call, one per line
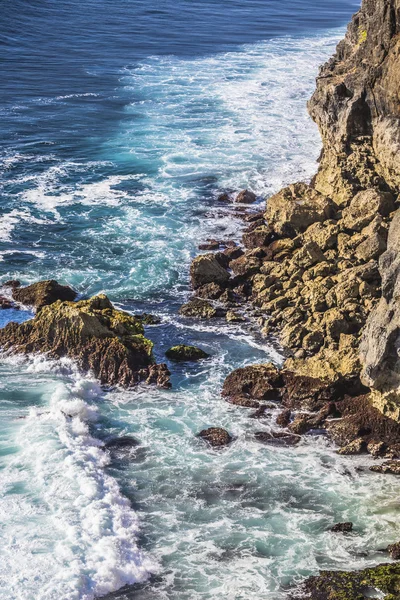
point(108, 342)
point(43, 293)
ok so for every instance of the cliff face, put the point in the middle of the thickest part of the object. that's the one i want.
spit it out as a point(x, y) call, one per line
point(357, 105)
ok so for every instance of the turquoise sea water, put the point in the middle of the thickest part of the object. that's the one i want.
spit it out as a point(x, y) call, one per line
point(120, 125)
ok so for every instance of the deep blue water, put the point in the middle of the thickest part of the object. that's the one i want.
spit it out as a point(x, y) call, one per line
point(120, 123)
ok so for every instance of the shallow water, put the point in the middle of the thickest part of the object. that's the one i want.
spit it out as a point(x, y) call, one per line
point(119, 128)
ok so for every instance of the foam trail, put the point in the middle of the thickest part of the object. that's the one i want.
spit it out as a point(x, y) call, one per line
point(88, 526)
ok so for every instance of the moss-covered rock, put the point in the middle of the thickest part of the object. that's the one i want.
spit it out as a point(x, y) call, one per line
point(183, 353)
point(382, 581)
point(108, 342)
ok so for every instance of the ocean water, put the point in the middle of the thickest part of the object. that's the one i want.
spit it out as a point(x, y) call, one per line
point(120, 125)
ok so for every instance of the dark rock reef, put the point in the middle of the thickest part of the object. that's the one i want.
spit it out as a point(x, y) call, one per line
point(108, 342)
point(186, 353)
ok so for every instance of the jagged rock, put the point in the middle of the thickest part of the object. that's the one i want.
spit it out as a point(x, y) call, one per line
point(382, 581)
point(391, 467)
point(283, 419)
point(295, 208)
point(232, 254)
point(358, 446)
point(5, 303)
point(277, 438)
point(246, 265)
point(394, 551)
point(257, 382)
point(308, 255)
point(43, 293)
point(108, 342)
point(211, 291)
point(246, 197)
point(233, 317)
point(209, 245)
point(380, 340)
point(365, 206)
point(261, 236)
point(216, 436)
point(342, 527)
point(12, 283)
point(206, 269)
point(185, 353)
point(200, 309)
point(323, 234)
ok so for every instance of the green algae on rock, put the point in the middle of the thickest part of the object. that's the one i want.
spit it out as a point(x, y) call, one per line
point(382, 581)
point(183, 353)
point(108, 342)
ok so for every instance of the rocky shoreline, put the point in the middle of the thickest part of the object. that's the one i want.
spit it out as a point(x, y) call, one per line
point(318, 269)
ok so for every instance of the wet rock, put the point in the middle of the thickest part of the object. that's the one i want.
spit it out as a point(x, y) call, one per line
point(200, 309)
point(43, 293)
point(186, 353)
point(390, 467)
point(342, 527)
point(394, 551)
point(246, 197)
point(234, 317)
point(216, 436)
point(295, 208)
point(283, 419)
point(232, 254)
point(358, 446)
point(148, 319)
point(209, 245)
point(158, 375)
point(108, 342)
point(258, 382)
point(12, 283)
point(206, 269)
point(6, 303)
point(376, 582)
point(243, 401)
point(211, 291)
point(224, 197)
point(277, 438)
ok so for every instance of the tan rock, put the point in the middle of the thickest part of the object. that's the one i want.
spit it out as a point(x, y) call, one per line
point(295, 208)
point(365, 206)
point(206, 269)
point(308, 255)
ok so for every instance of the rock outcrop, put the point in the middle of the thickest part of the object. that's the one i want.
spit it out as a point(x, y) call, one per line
point(108, 342)
point(43, 293)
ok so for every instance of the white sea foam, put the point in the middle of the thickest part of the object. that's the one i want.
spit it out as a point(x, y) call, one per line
point(82, 542)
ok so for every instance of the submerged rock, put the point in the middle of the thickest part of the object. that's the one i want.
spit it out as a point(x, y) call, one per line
point(125, 442)
point(148, 319)
point(390, 467)
point(183, 353)
point(216, 436)
point(108, 342)
point(43, 293)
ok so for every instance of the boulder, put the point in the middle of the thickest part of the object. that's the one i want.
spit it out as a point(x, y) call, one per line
point(206, 269)
point(216, 436)
point(295, 208)
point(246, 197)
point(148, 319)
point(200, 309)
point(308, 255)
point(209, 245)
point(257, 382)
point(185, 353)
point(43, 293)
point(283, 419)
point(246, 265)
point(261, 236)
point(234, 317)
point(108, 342)
point(365, 206)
